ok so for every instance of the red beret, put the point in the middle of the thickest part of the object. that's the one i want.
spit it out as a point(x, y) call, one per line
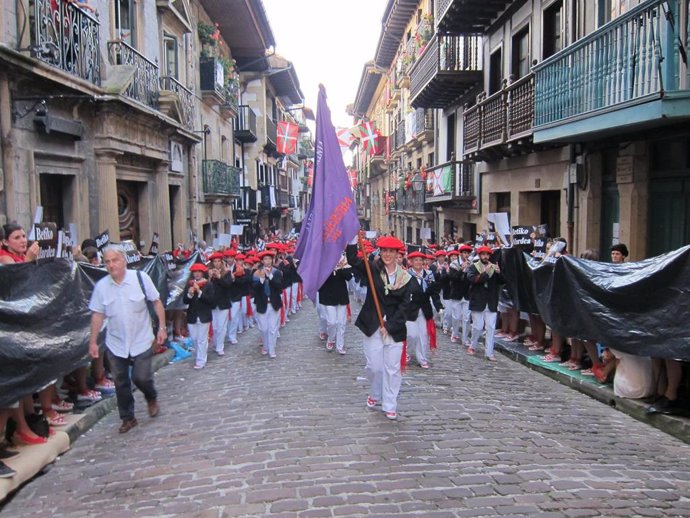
point(453, 251)
point(266, 253)
point(230, 253)
point(431, 257)
point(390, 242)
point(484, 250)
point(465, 248)
point(241, 257)
point(441, 253)
point(215, 255)
point(414, 255)
point(198, 267)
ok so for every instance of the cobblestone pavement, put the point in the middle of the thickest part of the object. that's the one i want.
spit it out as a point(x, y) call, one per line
point(249, 436)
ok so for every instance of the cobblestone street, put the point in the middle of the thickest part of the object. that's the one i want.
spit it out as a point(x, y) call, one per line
point(249, 436)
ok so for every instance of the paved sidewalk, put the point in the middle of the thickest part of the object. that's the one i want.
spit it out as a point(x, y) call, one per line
point(249, 436)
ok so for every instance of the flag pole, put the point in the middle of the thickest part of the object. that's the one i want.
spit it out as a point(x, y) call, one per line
point(370, 277)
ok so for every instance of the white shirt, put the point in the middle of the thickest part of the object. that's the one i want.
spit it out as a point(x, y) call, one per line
point(129, 331)
point(633, 378)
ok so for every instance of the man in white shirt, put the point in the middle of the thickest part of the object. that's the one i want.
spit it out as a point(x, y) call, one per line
point(120, 299)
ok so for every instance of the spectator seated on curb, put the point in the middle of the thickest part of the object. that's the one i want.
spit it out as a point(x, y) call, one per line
point(633, 378)
point(605, 371)
point(668, 374)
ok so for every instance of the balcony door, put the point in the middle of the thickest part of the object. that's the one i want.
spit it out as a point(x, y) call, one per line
point(126, 21)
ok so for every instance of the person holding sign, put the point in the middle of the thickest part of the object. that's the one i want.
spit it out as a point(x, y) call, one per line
point(121, 298)
point(15, 246)
point(485, 279)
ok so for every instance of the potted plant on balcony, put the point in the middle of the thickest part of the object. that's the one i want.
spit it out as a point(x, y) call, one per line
point(209, 37)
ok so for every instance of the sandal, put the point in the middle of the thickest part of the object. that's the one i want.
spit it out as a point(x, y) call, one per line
point(587, 372)
point(550, 358)
point(56, 420)
point(535, 347)
point(470, 350)
point(574, 367)
point(62, 406)
point(491, 358)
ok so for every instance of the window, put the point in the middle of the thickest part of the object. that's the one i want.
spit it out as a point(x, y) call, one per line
point(520, 51)
point(419, 163)
point(170, 55)
point(495, 71)
point(553, 29)
point(125, 21)
point(430, 160)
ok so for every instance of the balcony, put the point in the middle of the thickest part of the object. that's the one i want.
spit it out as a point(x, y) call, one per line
point(220, 180)
point(271, 133)
point(423, 125)
point(248, 200)
point(447, 69)
point(177, 101)
point(452, 184)
point(212, 81)
point(410, 201)
point(399, 135)
point(145, 86)
point(230, 107)
point(500, 125)
point(468, 16)
point(65, 37)
point(626, 77)
point(245, 124)
point(378, 159)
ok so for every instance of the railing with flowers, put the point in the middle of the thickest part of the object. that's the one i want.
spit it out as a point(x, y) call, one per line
point(145, 85)
point(65, 36)
point(186, 96)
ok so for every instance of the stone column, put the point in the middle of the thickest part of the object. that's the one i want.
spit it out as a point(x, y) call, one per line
point(106, 176)
point(160, 203)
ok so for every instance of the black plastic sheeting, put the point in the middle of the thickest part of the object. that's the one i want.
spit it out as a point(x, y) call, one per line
point(640, 308)
point(45, 319)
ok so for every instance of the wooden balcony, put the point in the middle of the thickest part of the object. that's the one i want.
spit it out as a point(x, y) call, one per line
point(447, 69)
point(452, 184)
point(626, 77)
point(245, 124)
point(271, 134)
point(66, 37)
point(145, 86)
point(468, 16)
point(220, 180)
point(501, 125)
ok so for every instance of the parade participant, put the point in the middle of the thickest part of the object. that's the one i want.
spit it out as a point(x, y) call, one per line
point(237, 289)
point(420, 311)
point(221, 279)
point(246, 303)
point(383, 344)
point(333, 298)
point(15, 246)
point(121, 298)
point(200, 298)
point(484, 278)
point(440, 271)
point(459, 295)
point(268, 283)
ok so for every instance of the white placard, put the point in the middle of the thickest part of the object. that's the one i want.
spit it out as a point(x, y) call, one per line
point(215, 244)
point(425, 233)
point(236, 230)
point(502, 224)
point(224, 239)
point(38, 218)
point(73, 236)
point(370, 234)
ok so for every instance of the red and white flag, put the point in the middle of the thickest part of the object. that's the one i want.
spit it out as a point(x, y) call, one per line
point(345, 137)
point(287, 138)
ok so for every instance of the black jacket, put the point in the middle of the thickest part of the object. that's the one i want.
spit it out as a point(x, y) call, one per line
point(484, 289)
point(459, 284)
point(222, 289)
point(394, 305)
point(275, 284)
point(423, 299)
point(333, 292)
point(238, 288)
point(199, 306)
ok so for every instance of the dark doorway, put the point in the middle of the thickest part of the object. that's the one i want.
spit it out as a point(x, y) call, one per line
point(128, 210)
point(55, 198)
point(551, 211)
point(450, 138)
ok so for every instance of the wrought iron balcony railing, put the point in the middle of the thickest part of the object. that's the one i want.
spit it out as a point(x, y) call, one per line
point(501, 118)
point(449, 66)
point(220, 179)
point(187, 100)
point(66, 37)
point(629, 60)
point(271, 132)
point(145, 86)
point(410, 200)
point(245, 124)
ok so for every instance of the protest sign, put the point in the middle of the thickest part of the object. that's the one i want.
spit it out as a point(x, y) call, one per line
point(131, 251)
point(225, 239)
point(102, 240)
point(38, 217)
point(155, 240)
point(501, 222)
point(425, 233)
point(48, 240)
point(522, 236)
point(236, 230)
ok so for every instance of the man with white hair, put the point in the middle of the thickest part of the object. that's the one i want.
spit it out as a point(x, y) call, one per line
point(121, 299)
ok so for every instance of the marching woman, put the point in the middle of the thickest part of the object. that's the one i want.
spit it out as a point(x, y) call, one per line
point(383, 344)
point(221, 279)
point(268, 285)
point(420, 312)
point(236, 292)
point(200, 300)
point(333, 298)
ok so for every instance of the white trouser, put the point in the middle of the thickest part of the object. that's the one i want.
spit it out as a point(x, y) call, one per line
point(418, 338)
point(383, 370)
point(234, 324)
point(461, 319)
point(480, 320)
point(268, 323)
point(199, 334)
point(336, 318)
point(447, 320)
point(293, 297)
point(321, 311)
point(220, 327)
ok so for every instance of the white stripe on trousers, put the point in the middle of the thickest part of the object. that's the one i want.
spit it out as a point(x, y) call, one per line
point(460, 312)
point(383, 370)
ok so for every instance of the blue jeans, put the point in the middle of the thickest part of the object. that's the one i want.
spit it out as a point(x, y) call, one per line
point(142, 376)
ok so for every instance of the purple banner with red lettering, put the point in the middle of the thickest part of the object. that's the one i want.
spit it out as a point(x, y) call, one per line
point(331, 220)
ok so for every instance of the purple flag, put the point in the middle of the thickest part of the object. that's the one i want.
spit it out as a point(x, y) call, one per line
point(331, 220)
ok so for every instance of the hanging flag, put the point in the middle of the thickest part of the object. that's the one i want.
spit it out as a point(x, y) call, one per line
point(287, 138)
point(352, 172)
point(440, 181)
point(345, 137)
point(309, 165)
point(331, 219)
point(368, 136)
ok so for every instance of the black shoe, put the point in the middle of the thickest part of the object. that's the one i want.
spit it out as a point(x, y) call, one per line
point(665, 406)
point(6, 471)
point(7, 454)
